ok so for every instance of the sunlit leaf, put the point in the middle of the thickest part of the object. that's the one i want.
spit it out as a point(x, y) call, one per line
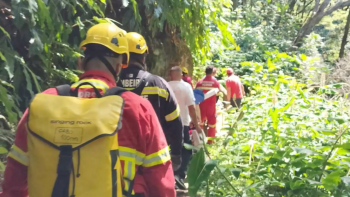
point(303, 57)
point(3, 150)
point(5, 32)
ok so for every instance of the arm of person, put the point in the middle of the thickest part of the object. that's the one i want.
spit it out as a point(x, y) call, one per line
point(191, 83)
point(190, 102)
point(157, 168)
point(228, 96)
point(15, 176)
point(194, 118)
point(173, 123)
point(222, 89)
point(243, 92)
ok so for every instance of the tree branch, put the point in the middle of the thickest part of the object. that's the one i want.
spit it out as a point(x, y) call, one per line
point(323, 6)
point(337, 6)
point(304, 8)
point(317, 4)
point(291, 6)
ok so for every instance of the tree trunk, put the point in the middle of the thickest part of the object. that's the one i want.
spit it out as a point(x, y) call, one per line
point(314, 19)
point(166, 49)
point(235, 4)
point(291, 6)
point(345, 37)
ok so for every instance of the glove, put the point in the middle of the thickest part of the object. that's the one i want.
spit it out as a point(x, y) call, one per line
point(176, 161)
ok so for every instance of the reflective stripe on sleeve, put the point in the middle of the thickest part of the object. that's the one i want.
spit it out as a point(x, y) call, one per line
point(157, 158)
point(173, 114)
point(129, 88)
point(155, 90)
point(95, 82)
point(129, 154)
point(211, 125)
point(129, 170)
point(205, 88)
point(18, 155)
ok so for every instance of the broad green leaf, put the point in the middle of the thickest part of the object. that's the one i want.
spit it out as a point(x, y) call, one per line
point(2, 166)
point(258, 67)
point(36, 45)
point(136, 10)
point(2, 57)
point(201, 171)
point(194, 170)
point(312, 182)
point(3, 150)
point(238, 48)
point(34, 77)
point(240, 116)
point(245, 63)
point(294, 185)
point(5, 32)
point(304, 151)
point(346, 180)
point(190, 146)
point(100, 20)
point(271, 66)
point(8, 104)
point(338, 85)
point(236, 172)
point(283, 55)
point(332, 180)
point(344, 146)
point(303, 96)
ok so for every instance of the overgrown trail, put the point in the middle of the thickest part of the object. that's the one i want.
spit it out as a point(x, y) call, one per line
point(219, 125)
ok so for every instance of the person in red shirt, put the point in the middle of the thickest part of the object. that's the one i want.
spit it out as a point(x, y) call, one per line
point(185, 76)
point(235, 89)
point(143, 150)
point(208, 106)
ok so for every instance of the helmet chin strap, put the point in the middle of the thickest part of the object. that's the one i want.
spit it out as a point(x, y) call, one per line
point(105, 62)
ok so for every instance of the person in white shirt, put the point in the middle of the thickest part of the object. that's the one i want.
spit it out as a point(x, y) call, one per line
point(186, 101)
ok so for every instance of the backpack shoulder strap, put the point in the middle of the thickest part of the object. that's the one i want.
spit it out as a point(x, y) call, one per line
point(63, 90)
point(114, 91)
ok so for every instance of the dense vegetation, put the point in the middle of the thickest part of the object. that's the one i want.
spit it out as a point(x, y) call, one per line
point(291, 137)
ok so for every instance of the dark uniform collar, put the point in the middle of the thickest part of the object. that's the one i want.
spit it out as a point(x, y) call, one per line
point(136, 67)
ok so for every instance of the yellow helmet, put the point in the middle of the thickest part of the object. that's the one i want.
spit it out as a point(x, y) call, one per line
point(108, 35)
point(184, 70)
point(137, 43)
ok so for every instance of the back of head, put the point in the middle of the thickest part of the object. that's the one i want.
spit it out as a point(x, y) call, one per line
point(176, 73)
point(137, 47)
point(209, 70)
point(229, 71)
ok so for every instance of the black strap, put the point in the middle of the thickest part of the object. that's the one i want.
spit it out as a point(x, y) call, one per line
point(129, 192)
point(114, 91)
point(107, 64)
point(64, 168)
point(104, 60)
point(63, 90)
point(97, 92)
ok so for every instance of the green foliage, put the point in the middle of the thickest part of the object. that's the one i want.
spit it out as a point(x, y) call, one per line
point(181, 20)
point(289, 139)
point(41, 50)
